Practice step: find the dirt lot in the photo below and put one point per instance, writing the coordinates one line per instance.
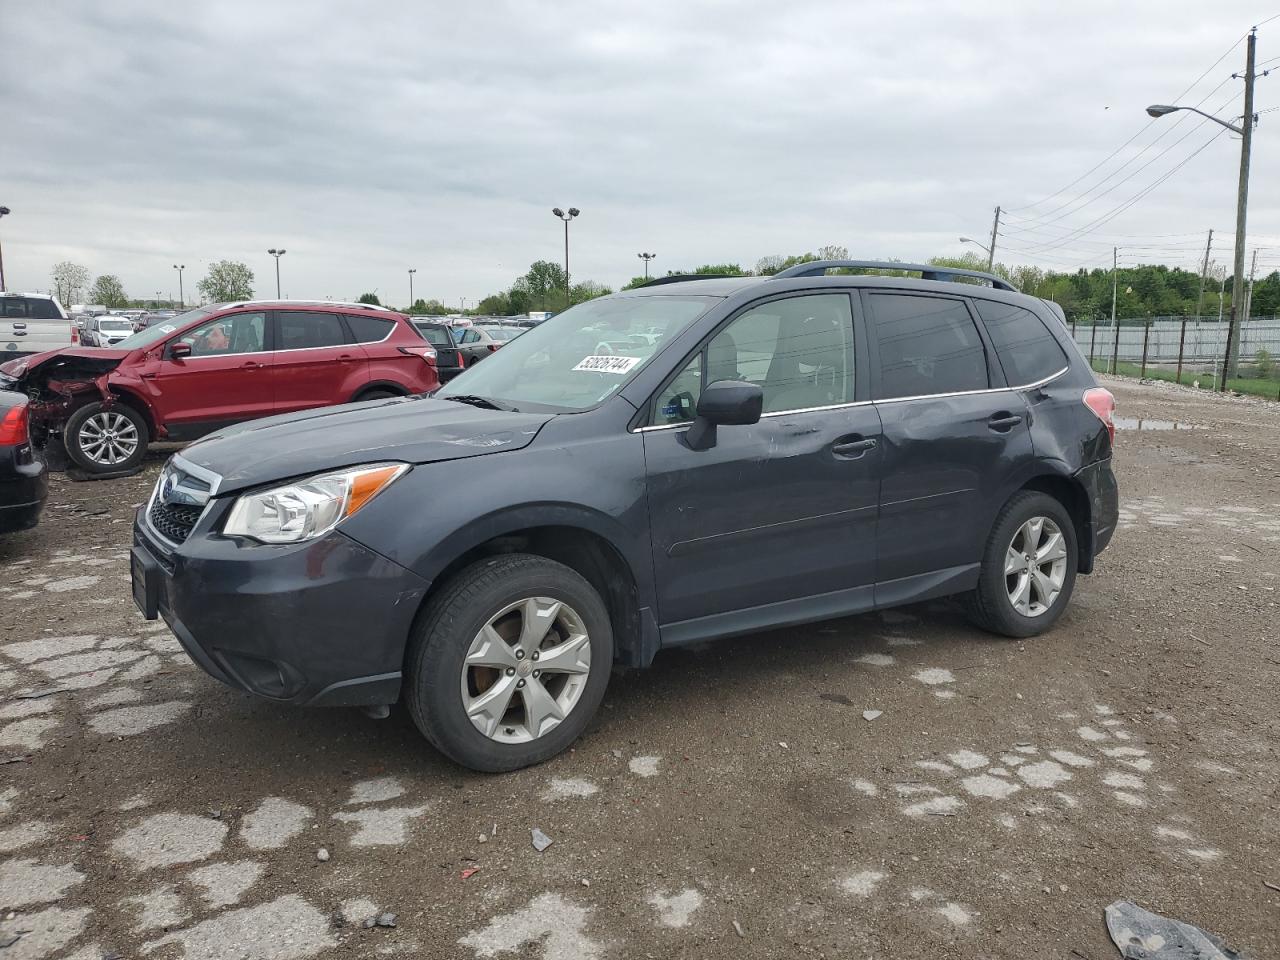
(730, 802)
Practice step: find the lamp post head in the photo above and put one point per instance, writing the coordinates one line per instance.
(4, 211)
(558, 212)
(967, 240)
(1160, 109)
(574, 211)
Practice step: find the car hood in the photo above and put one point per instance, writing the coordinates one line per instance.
(107, 359)
(409, 429)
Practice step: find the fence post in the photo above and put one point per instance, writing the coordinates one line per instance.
(1182, 339)
(1226, 358)
(1093, 339)
(1146, 335)
(1115, 348)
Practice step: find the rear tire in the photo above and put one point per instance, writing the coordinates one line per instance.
(1024, 586)
(479, 618)
(102, 439)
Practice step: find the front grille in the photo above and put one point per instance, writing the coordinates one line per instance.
(174, 521)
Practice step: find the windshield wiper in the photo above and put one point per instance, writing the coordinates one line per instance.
(482, 402)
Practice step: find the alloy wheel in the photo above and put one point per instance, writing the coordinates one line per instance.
(108, 438)
(1035, 566)
(526, 670)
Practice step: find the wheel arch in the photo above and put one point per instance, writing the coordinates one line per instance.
(581, 543)
(130, 399)
(398, 389)
(1069, 492)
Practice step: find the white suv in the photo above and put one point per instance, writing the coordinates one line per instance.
(33, 323)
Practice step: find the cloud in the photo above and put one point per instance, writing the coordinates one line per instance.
(367, 140)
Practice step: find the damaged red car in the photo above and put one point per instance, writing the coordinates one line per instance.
(214, 366)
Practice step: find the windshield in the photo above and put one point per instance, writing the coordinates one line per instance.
(579, 357)
(158, 331)
(504, 333)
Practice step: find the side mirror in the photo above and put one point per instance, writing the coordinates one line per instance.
(727, 402)
(179, 350)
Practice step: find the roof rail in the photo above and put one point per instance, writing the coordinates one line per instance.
(311, 303)
(682, 277)
(816, 268)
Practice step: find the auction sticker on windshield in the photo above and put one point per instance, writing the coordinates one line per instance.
(607, 364)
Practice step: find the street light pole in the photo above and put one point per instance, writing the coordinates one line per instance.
(981, 246)
(646, 257)
(1231, 361)
(4, 211)
(573, 212)
(277, 254)
(182, 297)
(412, 271)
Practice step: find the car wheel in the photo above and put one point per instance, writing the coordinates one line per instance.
(1028, 567)
(102, 439)
(509, 662)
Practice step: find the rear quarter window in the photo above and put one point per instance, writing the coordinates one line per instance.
(1027, 350)
(368, 329)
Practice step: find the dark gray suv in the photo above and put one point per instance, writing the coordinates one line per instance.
(692, 459)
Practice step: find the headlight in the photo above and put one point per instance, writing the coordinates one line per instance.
(309, 508)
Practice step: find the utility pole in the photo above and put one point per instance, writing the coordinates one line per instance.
(412, 271)
(1232, 362)
(1115, 330)
(3, 212)
(1204, 270)
(991, 250)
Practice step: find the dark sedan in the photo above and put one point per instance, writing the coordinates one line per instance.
(24, 481)
(441, 336)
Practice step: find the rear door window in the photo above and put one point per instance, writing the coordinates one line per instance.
(927, 345)
(306, 329)
(1027, 350)
(367, 329)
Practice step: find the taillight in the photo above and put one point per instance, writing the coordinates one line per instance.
(494, 346)
(426, 352)
(75, 334)
(13, 427)
(1103, 404)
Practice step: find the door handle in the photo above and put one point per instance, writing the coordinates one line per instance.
(250, 365)
(853, 449)
(345, 358)
(1003, 422)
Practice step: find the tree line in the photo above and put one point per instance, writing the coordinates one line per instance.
(1149, 290)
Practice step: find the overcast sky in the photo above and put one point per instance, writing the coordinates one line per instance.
(370, 138)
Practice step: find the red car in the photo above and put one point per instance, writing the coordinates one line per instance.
(213, 366)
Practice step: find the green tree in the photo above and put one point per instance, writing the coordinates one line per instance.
(371, 298)
(636, 282)
(70, 280)
(108, 291)
(544, 284)
(588, 290)
(833, 252)
(227, 280)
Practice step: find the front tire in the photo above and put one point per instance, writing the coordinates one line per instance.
(509, 662)
(105, 439)
(1028, 567)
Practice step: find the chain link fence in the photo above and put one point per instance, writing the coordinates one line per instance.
(1185, 350)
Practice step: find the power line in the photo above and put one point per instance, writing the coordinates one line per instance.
(1116, 211)
(1048, 217)
(1141, 131)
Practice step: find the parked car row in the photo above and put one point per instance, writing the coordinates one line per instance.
(212, 367)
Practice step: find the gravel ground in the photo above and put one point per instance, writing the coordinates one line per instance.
(730, 802)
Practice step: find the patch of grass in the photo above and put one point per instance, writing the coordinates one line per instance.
(1253, 386)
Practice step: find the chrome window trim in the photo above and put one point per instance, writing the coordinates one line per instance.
(867, 403)
(971, 393)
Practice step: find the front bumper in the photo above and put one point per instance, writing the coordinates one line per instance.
(322, 623)
(1098, 481)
